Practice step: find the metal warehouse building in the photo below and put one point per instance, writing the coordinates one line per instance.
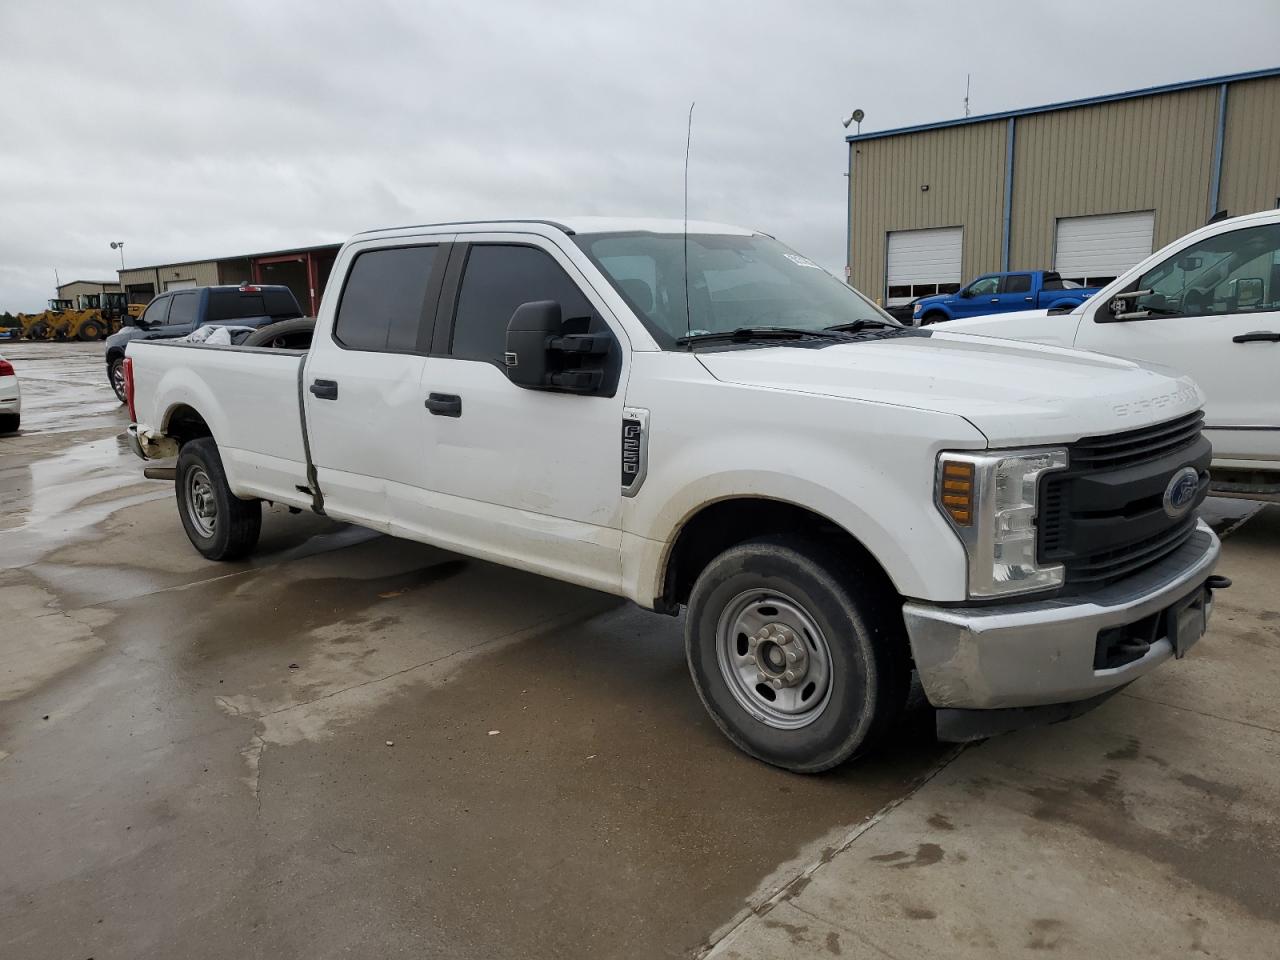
(1087, 188)
(304, 270)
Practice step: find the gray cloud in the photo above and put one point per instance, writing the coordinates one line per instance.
(191, 130)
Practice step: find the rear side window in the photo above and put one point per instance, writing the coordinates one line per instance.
(235, 305)
(498, 279)
(1017, 283)
(183, 309)
(384, 299)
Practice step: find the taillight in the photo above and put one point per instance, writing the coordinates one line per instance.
(6, 369)
(128, 388)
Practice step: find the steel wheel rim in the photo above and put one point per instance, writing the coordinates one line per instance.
(774, 659)
(202, 506)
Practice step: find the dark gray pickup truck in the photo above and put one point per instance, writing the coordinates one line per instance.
(176, 313)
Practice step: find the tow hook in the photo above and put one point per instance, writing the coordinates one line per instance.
(1218, 582)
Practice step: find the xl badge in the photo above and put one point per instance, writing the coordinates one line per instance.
(1180, 494)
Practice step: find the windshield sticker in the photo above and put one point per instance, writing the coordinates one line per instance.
(800, 261)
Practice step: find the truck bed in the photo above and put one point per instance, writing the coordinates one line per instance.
(248, 396)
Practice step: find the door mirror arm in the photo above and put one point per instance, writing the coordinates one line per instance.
(540, 356)
(1119, 308)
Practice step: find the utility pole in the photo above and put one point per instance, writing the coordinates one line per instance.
(966, 94)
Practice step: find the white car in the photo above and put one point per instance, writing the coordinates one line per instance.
(1207, 305)
(10, 398)
(713, 421)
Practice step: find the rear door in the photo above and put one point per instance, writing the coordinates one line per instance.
(1214, 313)
(529, 477)
(368, 427)
(1015, 293)
(182, 314)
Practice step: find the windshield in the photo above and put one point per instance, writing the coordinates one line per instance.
(734, 282)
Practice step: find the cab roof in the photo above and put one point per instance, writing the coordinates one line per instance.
(578, 225)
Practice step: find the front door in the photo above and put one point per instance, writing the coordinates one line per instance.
(980, 297)
(368, 427)
(1213, 312)
(530, 477)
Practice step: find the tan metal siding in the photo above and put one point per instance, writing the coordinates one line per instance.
(1152, 153)
(964, 168)
(204, 273)
(1251, 147)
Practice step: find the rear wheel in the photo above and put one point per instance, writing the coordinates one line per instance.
(218, 523)
(9, 422)
(800, 657)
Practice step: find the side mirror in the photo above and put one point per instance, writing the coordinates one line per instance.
(540, 356)
(965, 293)
(530, 328)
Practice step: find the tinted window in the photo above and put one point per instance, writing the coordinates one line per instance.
(984, 286)
(383, 302)
(183, 309)
(233, 304)
(497, 280)
(1236, 272)
(1017, 283)
(156, 312)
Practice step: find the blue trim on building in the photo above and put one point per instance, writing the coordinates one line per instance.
(1008, 193)
(1070, 104)
(1215, 180)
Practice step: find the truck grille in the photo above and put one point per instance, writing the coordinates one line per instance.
(1103, 517)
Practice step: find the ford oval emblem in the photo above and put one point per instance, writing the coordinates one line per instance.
(1180, 494)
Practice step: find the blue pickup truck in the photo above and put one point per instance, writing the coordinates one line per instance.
(1002, 293)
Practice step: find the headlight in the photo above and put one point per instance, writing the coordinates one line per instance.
(990, 500)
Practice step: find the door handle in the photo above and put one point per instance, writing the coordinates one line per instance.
(1257, 336)
(325, 389)
(445, 404)
(1028, 299)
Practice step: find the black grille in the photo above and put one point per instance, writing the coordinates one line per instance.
(1136, 446)
(1103, 517)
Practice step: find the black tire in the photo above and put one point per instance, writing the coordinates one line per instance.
(90, 331)
(115, 376)
(10, 422)
(218, 523)
(857, 617)
(934, 317)
(284, 334)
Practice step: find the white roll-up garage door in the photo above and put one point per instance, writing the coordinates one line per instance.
(920, 262)
(1096, 250)
(178, 284)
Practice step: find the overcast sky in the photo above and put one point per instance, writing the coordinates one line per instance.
(191, 130)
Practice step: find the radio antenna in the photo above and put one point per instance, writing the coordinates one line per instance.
(688, 142)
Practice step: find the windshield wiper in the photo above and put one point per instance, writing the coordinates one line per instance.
(857, 325)
(747, 334)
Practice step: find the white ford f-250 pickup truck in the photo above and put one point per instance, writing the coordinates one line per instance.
(1207, 305)
(835, 498)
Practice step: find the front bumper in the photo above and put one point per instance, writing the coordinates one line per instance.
(1042, 653)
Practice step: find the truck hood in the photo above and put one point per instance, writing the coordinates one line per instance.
(1015, 393)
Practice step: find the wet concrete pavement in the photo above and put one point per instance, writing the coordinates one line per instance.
(195, 758)
(357, 746)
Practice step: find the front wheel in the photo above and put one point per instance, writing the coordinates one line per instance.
(934, 317)
(799, 657)
(115, 373)
(90, 331)
(218, 523)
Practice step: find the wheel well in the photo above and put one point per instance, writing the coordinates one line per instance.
(185, 424)
(719, 526)
(114, 354)
(936, 314)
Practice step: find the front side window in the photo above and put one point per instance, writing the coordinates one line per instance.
(984, 286)
(157, 312)
(1236, 272)
(1017, 283)
(733, 281)
(384, 299)
(183, 309)
(500, 277)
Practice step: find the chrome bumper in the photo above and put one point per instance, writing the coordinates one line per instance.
(148, 446)
(1041, 653)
